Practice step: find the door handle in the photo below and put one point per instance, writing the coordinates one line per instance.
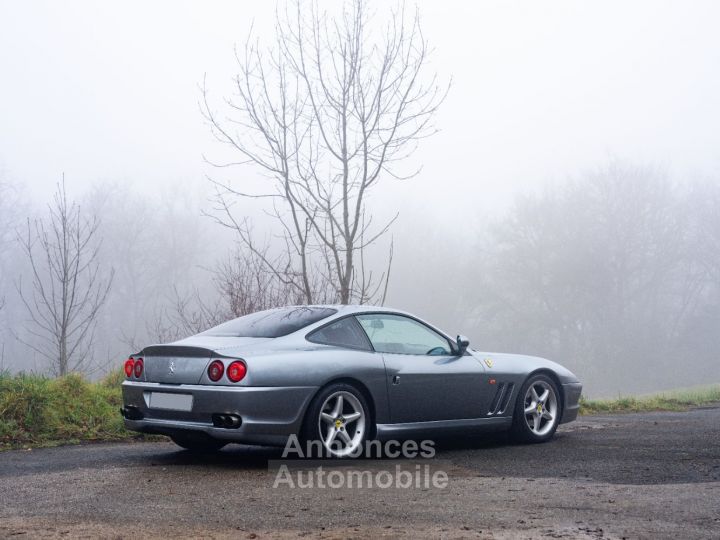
(396, 379)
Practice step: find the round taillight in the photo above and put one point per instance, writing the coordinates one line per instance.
(129, 366)
(138, 367)
(236, 371)
(215, 370)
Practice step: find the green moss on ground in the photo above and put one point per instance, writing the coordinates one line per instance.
(674, 400)
(40, 411)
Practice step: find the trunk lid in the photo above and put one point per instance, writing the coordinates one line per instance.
(175, 364)
(186, 361)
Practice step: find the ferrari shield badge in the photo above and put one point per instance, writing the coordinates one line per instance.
(488, 362)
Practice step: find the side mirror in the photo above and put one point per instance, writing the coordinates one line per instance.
(462, 344)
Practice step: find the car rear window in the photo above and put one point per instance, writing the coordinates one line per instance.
(271, 323)
(346, 332)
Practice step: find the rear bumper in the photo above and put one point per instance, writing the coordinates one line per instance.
(269, 414)
(571, 394)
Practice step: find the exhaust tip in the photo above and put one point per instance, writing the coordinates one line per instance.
(131, 412)
(227, 421)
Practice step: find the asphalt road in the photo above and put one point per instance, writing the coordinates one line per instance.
(635, 476)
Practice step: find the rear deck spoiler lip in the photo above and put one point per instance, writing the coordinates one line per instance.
(183, 351)
(178, 351)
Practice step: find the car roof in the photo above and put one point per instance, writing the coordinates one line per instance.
(357, 308)
(349, 309)
(343, 310)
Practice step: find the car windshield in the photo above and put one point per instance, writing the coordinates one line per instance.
(271, 323)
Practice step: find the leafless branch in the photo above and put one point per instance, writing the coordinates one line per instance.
(326, 112)
(66, 290)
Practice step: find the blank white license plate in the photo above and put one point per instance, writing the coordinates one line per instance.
(172, 402)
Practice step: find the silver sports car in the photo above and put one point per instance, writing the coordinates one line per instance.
(340, 375)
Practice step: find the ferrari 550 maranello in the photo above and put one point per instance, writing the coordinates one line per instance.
(339, 375)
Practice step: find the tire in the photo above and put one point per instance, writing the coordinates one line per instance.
(345, 429)
(197, 443)
(535, 419)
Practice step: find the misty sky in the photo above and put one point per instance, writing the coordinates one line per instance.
(541, 90)
(108, 92)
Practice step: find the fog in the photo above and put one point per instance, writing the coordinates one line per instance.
(568, 206)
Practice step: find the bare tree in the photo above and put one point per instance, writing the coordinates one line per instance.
(706, 202)
(243, 286)
(601, 273)
(182, 315)
(161, 249)
(10, 208)
(247, 286)
(67, 289)
(325, 114)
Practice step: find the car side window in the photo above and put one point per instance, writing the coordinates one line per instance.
(402, 335)
(345, 332)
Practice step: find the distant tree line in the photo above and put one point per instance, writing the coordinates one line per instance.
(615, 272)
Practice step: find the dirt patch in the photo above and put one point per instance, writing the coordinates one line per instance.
(654, 475)
(39, 528)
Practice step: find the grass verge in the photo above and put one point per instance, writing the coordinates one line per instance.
(39, 411)
(673, 400)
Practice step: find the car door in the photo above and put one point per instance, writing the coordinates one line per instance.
(426, 380)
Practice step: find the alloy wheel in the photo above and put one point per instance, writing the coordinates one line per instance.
(341, 423)
(540, 408)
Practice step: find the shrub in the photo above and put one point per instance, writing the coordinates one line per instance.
(36, 410)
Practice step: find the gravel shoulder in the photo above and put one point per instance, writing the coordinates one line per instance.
(654, 475)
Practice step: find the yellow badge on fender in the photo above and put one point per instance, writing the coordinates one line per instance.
(488, 362)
